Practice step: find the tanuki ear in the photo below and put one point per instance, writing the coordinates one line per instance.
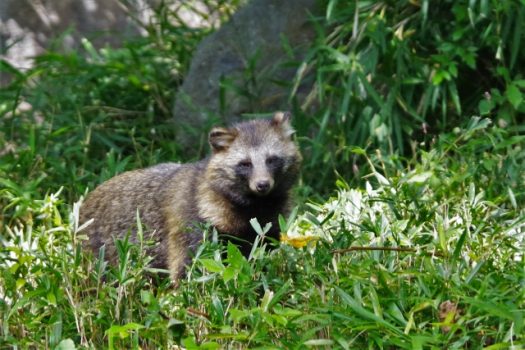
(221, 138)
(282, 120)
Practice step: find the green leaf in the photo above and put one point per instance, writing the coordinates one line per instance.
(519, 83)
(218, 309)
(474, 271)
(420, 178)
(358, 150)
(280, 293)
(514, 95)
(485, 107)
(66, 344)
(238, 315)
(512, 198)
(361, 311)
(256, 226)
(516, 44)
(212, 265)
(459, 245)
(455, 96)
(229, 273)
(499, 310)
(477, 123)
(190, 344)
(235, 257)
(282, 223)
(319, 342)
(51, 298)
(330, 9)
(397, 314)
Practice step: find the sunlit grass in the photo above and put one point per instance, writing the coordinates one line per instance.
(412, 235)
(421, 256)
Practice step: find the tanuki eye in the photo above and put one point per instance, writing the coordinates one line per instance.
(245, 164)
(273, 160)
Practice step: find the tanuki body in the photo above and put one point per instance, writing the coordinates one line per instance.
(249, 174)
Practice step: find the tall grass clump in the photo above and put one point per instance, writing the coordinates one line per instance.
(392, 74)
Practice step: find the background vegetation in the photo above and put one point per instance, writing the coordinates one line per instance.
(413, 235)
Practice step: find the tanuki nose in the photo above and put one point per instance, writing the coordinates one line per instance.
(262, 186)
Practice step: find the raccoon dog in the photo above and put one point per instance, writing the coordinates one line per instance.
(249, 174)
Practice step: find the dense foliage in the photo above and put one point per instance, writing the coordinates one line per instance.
(421, 257)
(417, 123)
(389, 74)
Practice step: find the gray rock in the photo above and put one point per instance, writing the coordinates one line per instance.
(244, 66)
(28, 27)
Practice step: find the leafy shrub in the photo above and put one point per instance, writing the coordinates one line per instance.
(391, 74)
(79, 107)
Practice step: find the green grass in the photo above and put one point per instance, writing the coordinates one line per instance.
(406, 205)
(450, 239)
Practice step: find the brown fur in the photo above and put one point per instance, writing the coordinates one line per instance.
(249, 175)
